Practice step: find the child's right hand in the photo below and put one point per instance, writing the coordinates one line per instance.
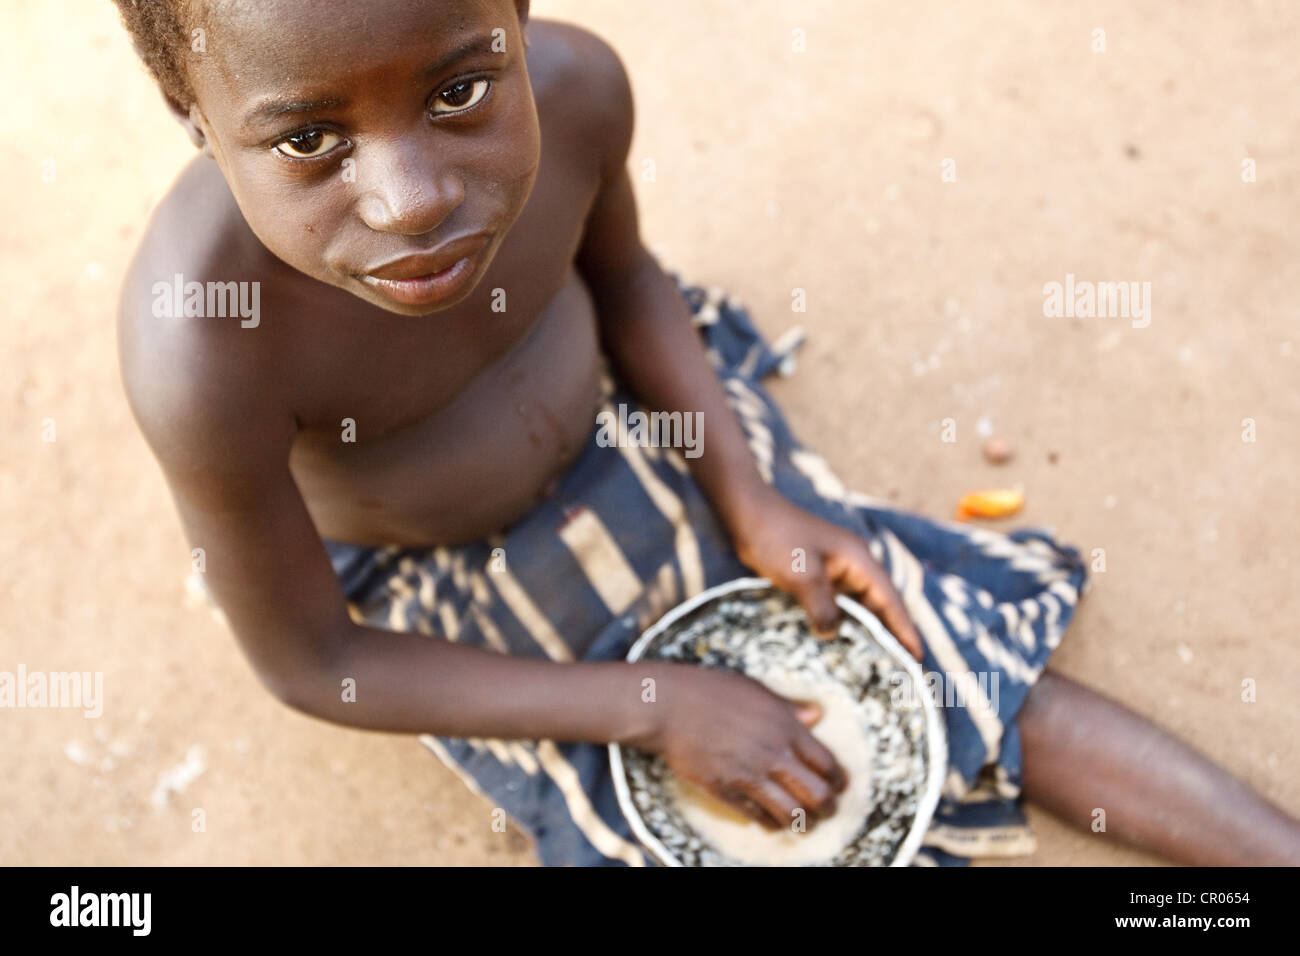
(744, 745)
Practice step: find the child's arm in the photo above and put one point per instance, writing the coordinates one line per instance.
(647, 331)
(205, 398)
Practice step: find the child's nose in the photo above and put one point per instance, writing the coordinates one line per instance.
(403, 191)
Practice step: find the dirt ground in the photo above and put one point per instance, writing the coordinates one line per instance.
(776, 169)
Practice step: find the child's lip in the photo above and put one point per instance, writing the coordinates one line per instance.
(424, 289)
(423, 264)
(428, 277)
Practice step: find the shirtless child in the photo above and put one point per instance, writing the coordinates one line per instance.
(390, 173)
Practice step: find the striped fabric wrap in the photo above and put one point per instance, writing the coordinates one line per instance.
(627, 534)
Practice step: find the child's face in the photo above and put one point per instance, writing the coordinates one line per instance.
(396, 137)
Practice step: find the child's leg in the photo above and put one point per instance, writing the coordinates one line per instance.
(1083, 751)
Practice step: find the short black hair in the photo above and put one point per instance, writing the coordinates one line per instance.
(160, 31)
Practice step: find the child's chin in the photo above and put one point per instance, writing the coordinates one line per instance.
(412, 310)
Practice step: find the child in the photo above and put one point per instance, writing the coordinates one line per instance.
(389, 452)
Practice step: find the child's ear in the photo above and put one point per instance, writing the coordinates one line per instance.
(191, 120)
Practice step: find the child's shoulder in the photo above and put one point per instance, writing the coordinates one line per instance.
(579, 81)
(191, 363)
(570, 53)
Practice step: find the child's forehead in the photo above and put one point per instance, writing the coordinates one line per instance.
(279, 43)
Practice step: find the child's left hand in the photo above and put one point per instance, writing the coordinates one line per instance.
(770, 543)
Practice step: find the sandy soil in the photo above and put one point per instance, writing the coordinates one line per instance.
(819, 170)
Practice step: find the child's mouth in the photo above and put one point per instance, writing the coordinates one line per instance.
(424, 290)
(430, 278)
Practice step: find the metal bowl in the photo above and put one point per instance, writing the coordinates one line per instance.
(862, 651)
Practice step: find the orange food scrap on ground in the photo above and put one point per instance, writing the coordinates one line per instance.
(997, 503)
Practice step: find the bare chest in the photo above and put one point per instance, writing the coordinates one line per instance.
(439, 442)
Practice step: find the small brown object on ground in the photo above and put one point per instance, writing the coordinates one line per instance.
(999, 451)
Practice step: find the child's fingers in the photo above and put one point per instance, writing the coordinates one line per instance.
(854, 570)
(815, 592)
(777, 803)
(818, 756)
(748, 806)
(814, 793)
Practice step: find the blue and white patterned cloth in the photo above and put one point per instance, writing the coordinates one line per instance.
(627, 535)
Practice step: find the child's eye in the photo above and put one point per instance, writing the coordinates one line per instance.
(308, 144)
(460, 96)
